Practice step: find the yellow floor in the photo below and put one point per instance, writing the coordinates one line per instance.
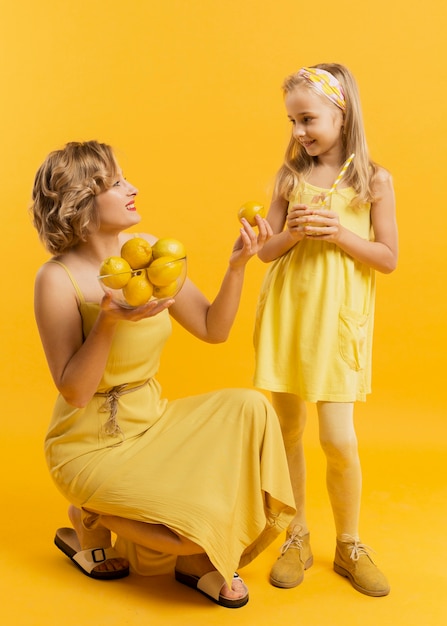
(404, 518)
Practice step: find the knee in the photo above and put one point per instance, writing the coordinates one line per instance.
(258, 409)
(254, 402)
(342, 451)
(292, 432)
(255, 408)
(291, 411)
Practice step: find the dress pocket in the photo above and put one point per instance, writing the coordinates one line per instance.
(352, 332)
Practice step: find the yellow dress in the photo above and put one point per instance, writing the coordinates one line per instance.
(210, 467)
(315, 315)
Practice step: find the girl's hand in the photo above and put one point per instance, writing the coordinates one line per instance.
(249, 243)
(297, 218)
(118, 313)
(323, 224)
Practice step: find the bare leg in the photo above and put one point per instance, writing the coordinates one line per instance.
(291, 412)
(99, 537)
(191, 557)
(344, 475)
(153, 536)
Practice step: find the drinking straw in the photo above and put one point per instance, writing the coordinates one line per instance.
(339, 177)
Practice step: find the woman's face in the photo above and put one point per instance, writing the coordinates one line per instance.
(115, 207)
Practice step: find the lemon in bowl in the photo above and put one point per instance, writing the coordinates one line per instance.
(137, 252)
(163, 278)
(115, 272)
(167, 275)
(167, 246)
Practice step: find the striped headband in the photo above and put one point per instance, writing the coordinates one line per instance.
(326, 84)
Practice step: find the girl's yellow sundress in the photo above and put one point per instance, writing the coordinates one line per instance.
(315, 314)
(210, 467)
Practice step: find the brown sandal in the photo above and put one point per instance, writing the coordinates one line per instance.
(210, 585)
(67, 541)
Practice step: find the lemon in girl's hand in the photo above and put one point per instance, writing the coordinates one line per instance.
(116, 272)
(165, 270)
(249, 210)
(168, 247)
(138, 290)
(137, 252)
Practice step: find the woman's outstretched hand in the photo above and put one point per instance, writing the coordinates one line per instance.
(249, 243)
(119, 313)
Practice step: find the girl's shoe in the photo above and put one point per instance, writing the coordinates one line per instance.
(353, 561)
(296, 556)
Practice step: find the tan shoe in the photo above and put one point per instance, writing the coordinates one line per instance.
(353, 561)
(296, 556)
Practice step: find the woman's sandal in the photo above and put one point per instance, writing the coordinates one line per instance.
(210, 585)
(67, 541)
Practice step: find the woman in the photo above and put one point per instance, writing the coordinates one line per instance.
(204, 478)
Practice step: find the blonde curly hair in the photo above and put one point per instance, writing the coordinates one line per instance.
(65, 187)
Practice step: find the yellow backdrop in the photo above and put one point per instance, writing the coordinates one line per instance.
(189, 94)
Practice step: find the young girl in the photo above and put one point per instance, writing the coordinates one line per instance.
(314, 322)
(203, 478)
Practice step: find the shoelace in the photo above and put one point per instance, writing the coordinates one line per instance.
(357, 549)
(294, 540)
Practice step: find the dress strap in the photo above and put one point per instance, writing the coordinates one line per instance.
(71, 277)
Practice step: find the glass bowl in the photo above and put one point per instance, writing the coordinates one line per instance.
(161, 280)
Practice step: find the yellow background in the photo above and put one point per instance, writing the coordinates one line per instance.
(188, 92)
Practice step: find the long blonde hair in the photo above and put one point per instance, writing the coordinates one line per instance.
(65, 187)
(297, 163)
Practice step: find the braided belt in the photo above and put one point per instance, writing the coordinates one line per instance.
(110, 405)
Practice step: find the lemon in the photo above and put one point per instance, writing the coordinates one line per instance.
(164, 270)
(116, 272)
(249, 210)
(138, 290)
(137, 252)
(168, 247)
(167, 291)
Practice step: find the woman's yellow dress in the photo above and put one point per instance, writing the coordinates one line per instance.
(315, 314)
(210, 467)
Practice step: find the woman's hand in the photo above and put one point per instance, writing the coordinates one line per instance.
(212, 322)
(115, 313)
(248, 244)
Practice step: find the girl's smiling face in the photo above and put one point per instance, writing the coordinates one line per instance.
(317, 123)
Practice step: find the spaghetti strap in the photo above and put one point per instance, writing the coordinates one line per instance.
(71, 277)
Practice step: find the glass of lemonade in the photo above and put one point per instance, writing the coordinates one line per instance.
(314, 201)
